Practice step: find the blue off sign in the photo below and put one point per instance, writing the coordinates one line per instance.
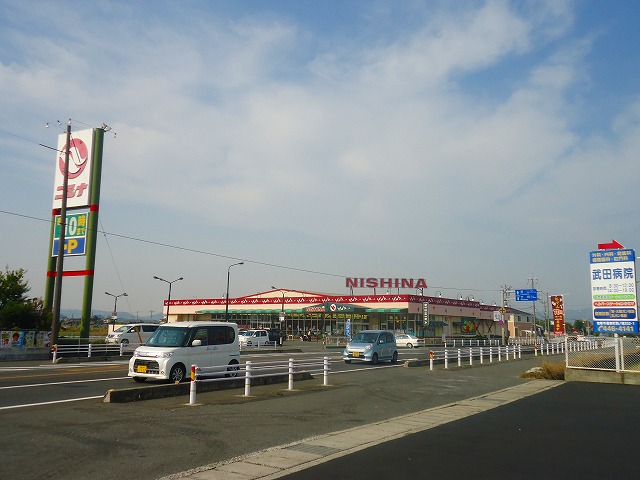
(530, 295)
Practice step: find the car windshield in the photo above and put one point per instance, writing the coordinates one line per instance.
(365, 337)
(168, 337)
(122, 329)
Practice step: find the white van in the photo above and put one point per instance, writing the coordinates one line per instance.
(131, 335)
(174, 347)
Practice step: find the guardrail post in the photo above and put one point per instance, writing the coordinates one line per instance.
(535, 350)
(192, 386)
(617, 351)
(459, 358)
(326, 371)
(470, 355)
(247, 378)
(89, 351)
(430, 359)
(490, 354)
(481, 355)
(499, 353)
(121, 349)
(519, 351)
(291, 374)
(55, 353)
(446, 359)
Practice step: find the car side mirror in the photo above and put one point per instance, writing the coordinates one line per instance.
(196, 343)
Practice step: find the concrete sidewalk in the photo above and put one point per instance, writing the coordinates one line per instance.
(300, 456)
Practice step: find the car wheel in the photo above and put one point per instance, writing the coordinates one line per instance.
(374, 359)
(177, 373)
(140, 379)
(232, 369)
(410, 345)
(125, 342)
(394, 359)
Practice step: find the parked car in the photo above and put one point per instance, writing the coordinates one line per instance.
(371, 346)
(132, 335)
(255, 338)
(174, 347)
(408, 340)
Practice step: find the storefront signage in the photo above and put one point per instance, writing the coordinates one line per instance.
(353, 282)
(80, 163)
(330, 308)
(613, 291)
(557, 305)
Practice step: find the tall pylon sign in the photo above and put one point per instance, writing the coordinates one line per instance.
(74, 218)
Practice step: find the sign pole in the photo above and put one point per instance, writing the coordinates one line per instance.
(92, 232)
(57, 296)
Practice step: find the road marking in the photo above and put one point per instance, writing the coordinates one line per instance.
(50, 403)
(10, 387)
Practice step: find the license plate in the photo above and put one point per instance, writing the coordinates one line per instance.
(142, 369)
(356, 354)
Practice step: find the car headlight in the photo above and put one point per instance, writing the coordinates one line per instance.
(164, 354)
(368, 347)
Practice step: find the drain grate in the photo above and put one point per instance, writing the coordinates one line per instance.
(314, 449)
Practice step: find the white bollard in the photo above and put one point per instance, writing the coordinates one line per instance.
(459, 358)
(291, 374)
(490, 354)
(470, 356)
(247, 379)
(89, 351)
(192, 386)
(499, 353)
(519, 351)
(506, 352)
(481, 359)
(446, 359)
(326, 371)
(55, 353)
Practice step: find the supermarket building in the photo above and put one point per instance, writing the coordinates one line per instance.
(296, 312)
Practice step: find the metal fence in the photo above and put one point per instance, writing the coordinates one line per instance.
(93, 349)
(251, 370)
(617, 354)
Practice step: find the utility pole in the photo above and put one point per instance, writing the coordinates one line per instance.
(533, 281)
(57, 297)
(506, 289)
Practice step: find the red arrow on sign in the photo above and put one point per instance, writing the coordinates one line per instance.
(609, 246)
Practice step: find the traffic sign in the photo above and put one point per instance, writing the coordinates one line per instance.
(530, 295)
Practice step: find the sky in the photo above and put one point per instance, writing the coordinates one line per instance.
(473, 144)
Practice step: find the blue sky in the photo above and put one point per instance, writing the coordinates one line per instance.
(473, 144)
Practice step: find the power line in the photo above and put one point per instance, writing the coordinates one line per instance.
(191, 250)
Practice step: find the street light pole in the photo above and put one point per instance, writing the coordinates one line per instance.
(226, 306)
(115, 304)
(282, 311)
(169, 298)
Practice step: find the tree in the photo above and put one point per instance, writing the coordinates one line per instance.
(16, 309)
(13, 286)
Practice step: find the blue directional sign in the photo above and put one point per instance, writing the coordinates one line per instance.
(530, 295)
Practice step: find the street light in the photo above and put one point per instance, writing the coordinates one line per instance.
(115, 304)
(226, 307)
(282, 311)
(170, 283)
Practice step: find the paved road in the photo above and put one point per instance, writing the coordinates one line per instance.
(151, 439)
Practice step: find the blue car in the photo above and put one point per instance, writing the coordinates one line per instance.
(371, 346)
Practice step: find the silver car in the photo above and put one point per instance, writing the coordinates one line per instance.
(371, 346)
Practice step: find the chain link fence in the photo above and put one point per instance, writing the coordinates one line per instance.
(618, 354)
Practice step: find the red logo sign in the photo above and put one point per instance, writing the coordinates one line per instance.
(78, 156)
